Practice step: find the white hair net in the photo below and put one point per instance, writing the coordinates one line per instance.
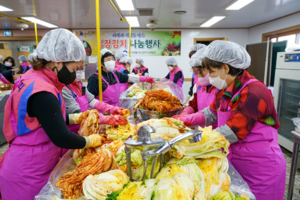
(103, 51)
(22, 58)
(61, 45)
(197, 58)
(197, 47)
(121, 55)
(171, 61)
(1, 58)
(141, 61)
(228, 53)
(32, 56)
(126, 60)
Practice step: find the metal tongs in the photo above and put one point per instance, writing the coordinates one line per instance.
(156, 147)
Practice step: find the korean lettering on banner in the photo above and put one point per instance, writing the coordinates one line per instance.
(113, 44)
(149, 44)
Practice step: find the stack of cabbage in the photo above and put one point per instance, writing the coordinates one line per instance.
(195, 171)
(136, 92)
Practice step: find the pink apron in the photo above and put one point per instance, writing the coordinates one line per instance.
(173, 73)
(31, 157)
(112, 93)
(204, 99)
(123, 86)
(195, 77)
(258, 158)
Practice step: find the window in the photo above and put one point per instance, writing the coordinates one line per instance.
(292, 37)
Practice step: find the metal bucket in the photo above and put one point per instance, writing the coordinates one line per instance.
(147, 114)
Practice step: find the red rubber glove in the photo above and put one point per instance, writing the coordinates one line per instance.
(112, 120)
(192, 119)
(147, 79)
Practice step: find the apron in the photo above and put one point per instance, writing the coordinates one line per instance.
(204, 99)
(258, 158)
(112, 93)
(123, 86)
(172, 76)
(28, 162)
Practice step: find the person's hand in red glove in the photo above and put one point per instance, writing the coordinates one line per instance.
(112, 120)
(192, 119)
(147, 79)
(121, 111)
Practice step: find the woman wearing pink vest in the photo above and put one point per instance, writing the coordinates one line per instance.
(246, 115)
(204, 93)
(111, 80)
(34, 122)
(140, 69)
(193, 50)
(175, 74)
(25, 66)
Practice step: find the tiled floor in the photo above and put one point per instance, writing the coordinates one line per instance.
(288, 158)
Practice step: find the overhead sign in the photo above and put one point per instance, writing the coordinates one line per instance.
(143, 43)
(25, 48)
(7, 33)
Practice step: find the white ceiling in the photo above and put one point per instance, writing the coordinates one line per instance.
(75, 14)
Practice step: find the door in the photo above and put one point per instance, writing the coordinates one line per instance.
(277, 47)
(260, 61)
(287, 99)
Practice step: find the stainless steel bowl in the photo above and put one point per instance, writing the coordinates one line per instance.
(146, 114)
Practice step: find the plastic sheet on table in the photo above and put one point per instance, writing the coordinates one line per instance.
(238, 185)
(50, 191)
(174, 88)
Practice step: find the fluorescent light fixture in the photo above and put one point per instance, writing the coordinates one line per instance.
(4, 9)
(125, 4)
(238, 4)
(212, 21)
(39, 21)
(134, 22)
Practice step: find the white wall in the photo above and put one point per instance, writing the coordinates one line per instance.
(255, 33)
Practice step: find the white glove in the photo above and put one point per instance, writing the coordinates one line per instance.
(187, 99)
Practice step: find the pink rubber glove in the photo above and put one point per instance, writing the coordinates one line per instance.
(147, 79)
(192, 119)
(112, 120)
(188, 110)
(104, 107)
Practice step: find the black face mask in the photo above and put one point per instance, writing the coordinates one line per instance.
(65, 76)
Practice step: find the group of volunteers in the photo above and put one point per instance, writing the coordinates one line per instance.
(40, 120)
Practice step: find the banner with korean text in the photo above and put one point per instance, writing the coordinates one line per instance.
(143, 43)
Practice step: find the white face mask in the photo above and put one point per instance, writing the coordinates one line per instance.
(21, 62)
(170, 68)
(204, 80)
(110, 65)
(78, 76)
(7, 64)
(218, 82)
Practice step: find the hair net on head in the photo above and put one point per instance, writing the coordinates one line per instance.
(197, 47)
(32, 56)
(61, 45)
(121, 55)
(126, 60)
(171, 61)
(141, 61)
(103, 51)
(197, 58)
(22, 58)
(228, 53)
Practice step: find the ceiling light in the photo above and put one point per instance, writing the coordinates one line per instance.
(134, 22)
(39, 21)
(212, 21)
(238, 4)
(125, 4)
(5, 9)
(180, 12)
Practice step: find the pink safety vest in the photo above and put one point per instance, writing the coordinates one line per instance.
(112, 93)
(141, 70)
(173, 73)
(123, 86)
(26, 65)
(31, 157)
(258, 158)
(195, 77)
(204, 99)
